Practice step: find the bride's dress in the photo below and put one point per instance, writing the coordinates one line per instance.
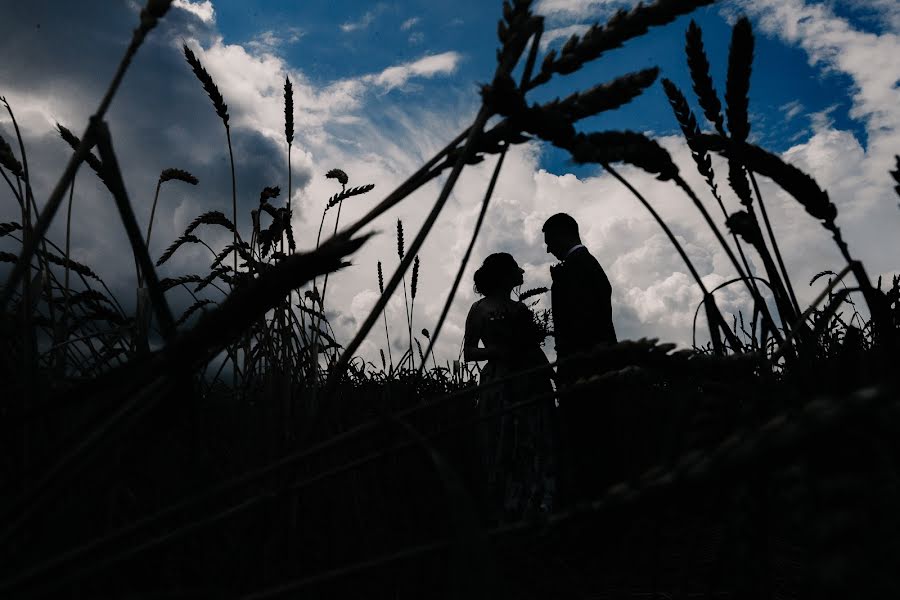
(518, 444)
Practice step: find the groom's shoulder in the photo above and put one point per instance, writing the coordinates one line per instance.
(582, 257)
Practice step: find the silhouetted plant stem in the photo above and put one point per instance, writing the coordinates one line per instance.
(465, 260)
(149, 19)
(762, 209)
(753, 290)
(64, 334)
(160, 305)
(718, 320)
(474, 131)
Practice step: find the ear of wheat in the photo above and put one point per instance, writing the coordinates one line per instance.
(93, 162)
(607, 96)
(624, 146)
(177, 174)
(170, 282)
(621, 27)
(288, 111)
(347, 193)
(339, 175)
(740, 61)
(691, 130)
(400, 249)
(213, 217)
(532, 292)
(8, 160)
(7, 228)
(269, 193)
(698, 65)
(194, 308)
(184, 239)
(414, 284)
(209, 85)
(896, 175)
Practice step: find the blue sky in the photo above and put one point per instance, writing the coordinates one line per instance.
(336, 40)
(379, 87)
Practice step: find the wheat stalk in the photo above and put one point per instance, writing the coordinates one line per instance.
(221, 109)
(167, 175)
(192, 309)
(387, 335)
(702, 159)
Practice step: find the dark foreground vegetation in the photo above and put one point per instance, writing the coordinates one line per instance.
(240, 451)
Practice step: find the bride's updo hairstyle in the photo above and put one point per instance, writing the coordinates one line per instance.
(495, 274)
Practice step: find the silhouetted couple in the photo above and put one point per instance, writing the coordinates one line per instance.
(531, 446)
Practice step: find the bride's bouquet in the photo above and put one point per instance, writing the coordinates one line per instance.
(538, 327)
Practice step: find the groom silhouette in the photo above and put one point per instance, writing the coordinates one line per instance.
(581, 299)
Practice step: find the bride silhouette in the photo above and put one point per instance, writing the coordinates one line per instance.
(516, 445)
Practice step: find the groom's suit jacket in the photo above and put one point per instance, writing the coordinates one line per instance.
(582, 306)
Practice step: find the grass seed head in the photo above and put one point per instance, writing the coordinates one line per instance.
(288, 111)
(621, 27)
(740, 62)
(347, 193)
(268, 193)
(702, 82)
(8, 160)
(737, 177)
(93, 162)
(400, 248)
(896, 175)
(208, 85)
(7, 228)
(339, 175)
(415, 277)
(380, 279)
(744, 225)
(178, 174)
(608, 96)
(624, 146)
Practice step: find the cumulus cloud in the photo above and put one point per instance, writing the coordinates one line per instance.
(203, 10)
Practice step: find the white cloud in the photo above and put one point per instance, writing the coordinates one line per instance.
(428, 66)
(791, 109)
(203, 10)
(561, 33)
(576, 9)
(363, 23)
(273, 42)
(410, 23)
(416, 37)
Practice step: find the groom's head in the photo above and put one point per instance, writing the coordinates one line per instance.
(560, 234)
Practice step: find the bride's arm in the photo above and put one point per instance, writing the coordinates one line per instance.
(471, 351)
